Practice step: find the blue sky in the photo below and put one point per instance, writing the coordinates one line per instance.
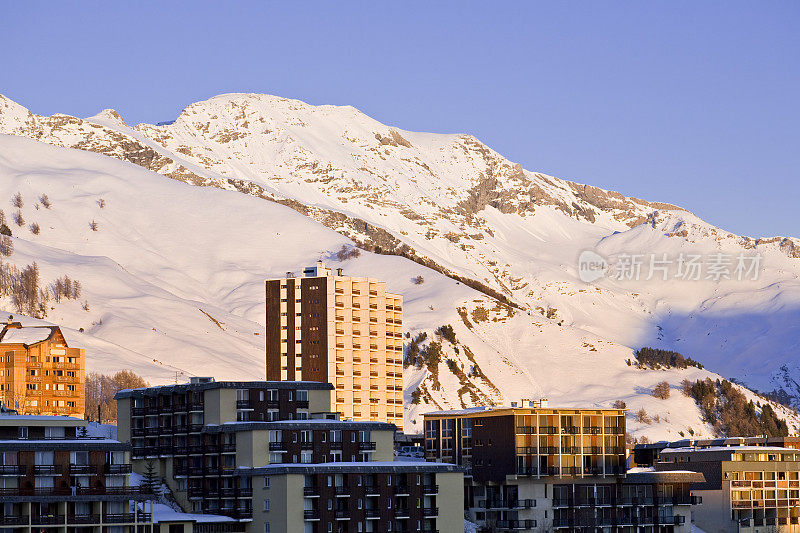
(693, 103)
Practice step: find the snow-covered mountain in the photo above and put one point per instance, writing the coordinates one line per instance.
(173, 256)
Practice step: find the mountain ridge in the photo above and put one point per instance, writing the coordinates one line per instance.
(450, 202)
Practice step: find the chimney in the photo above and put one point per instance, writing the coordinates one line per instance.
(289, 274)
(338, 271)
(544, 402)
(513, 404)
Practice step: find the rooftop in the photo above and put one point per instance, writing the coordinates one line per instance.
(26, 335)
(184, 387)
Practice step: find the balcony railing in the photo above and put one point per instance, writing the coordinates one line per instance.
(430, 512)
(48, 520)
(12, 470)
(13, 520)
(311, 514)
(516, 524)
(47, 470)
(365, 446)
(311, 491)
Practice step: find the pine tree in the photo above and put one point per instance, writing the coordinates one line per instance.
(150, 478)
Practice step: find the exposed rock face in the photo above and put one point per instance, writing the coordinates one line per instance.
(361, 172)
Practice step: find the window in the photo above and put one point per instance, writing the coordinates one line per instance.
(302, 396)
(266, 482)
(23, 432)
(266, 505)
(266, 527)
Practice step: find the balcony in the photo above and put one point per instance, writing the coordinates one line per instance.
(195, 428)
(509, 504)
(48, 520)
(401, 490)
(342, 514)
(366, 446)
(123, 518)
(12, 470)
(371, 490)
(515, 524)
(47, 470)
(243, 404)
(311, 492)
(342, 491)
(430, 512)
(310, 514)
(430, 489)
(82, 469)
(13, 520)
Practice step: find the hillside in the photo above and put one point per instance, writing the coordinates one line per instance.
(443, 200)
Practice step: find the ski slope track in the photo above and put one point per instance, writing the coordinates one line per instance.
(259, 185)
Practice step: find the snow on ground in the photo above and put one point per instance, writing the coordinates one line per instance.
(173, 285)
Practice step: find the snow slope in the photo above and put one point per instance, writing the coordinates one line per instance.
(452, 203)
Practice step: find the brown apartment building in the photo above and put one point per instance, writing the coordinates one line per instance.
(532, 467)
(39, 373)
(327, 327)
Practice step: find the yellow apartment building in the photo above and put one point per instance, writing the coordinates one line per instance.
(39, 373)
(328, 327)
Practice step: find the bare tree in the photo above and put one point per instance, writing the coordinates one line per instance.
(619, 404)
(35, 229)
(100, 390)
(418, 280)
(16, 200)
(661, 390)
(45, 201)
(6, 245)
(19, 220)
(76, 289)
(101, 202)
(2, 218)
(641, 416)
(93, 225)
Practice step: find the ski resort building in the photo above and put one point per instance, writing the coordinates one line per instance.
(39, 373)
(746, 488)
(272, 456)
(532, 467)
(55, 478)
(327, 327)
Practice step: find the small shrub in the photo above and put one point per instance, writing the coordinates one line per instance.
(101, 203)
(94, 226)
(619, 404)
(641, 416)
(45, 201)
(447, 332)
(16, 201)
(418, 280)
(6, 245)
(19, 220)
(661, 390)
(35, 229)
(480, 314)
(415, 396)
(347, 253)
(85, 305)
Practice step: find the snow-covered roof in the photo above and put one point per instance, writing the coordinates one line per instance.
(164, 513)
(26, 335)
(732, 449)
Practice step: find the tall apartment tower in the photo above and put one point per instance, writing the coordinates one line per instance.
(342, 330)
